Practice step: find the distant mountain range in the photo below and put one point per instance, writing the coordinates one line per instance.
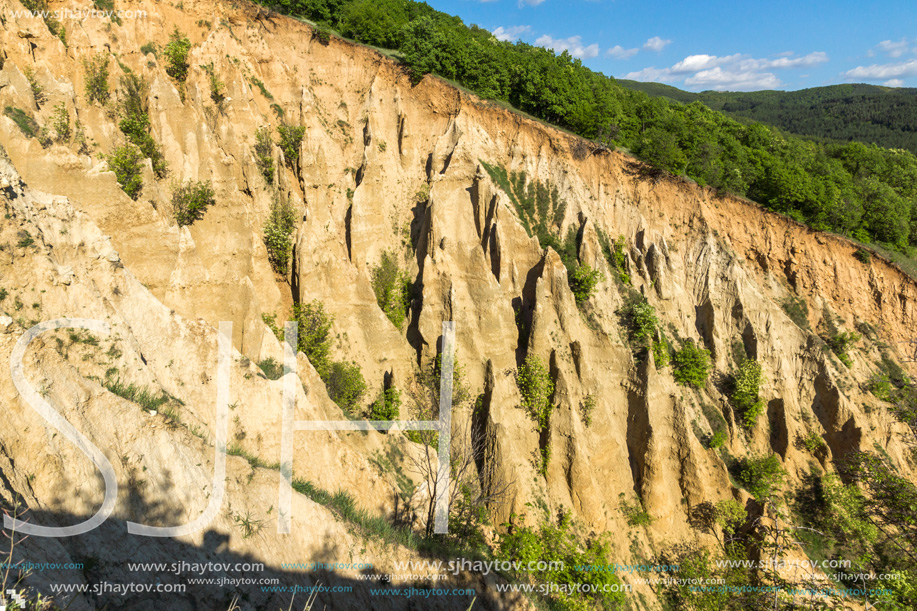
(886, 116)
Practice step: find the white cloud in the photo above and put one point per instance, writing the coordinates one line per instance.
(895, 82)
(729, 72)
(656, 44)
(512, 32)
(893, 48)
(619, 52)
(574, 45)
(717, 78)
(879, 72)
(523, 3)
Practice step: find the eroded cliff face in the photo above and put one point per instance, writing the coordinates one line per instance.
(387, 166)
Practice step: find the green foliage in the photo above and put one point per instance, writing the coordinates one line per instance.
(691, 365)
(290, 140)
(392, 288)
(38, 92)
(761, 476)
(814, 444)
(616, 255)
(271, 368)
(217, 87)
(846, 187)
(558, 548)
(278, 234)
(717, 440)
(26, 124)
(840, 345)
(745, 393)
(145, 397)
(729, 515)
(176, 54)
(150, 47)
(190, 201)
(264, 154)
(536, 387)
(862, 255)
(387, 406)
(345, 385)
(634, 512)
(797, 310)
(135, 121)
(60, 123)
(270, 320)
(661, 355)
(125, 162)
(314, 336)
(641, 322)
(96, 78)
(583, 281)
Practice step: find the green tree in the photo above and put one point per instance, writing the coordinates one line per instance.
(691, 365)
(176, 53)
(314, 335)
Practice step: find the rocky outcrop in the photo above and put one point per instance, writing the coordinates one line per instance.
(387, 166)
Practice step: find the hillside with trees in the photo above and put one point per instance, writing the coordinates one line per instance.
(886, 116)
(857, 190)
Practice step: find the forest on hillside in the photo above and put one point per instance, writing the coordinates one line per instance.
(862, 191)
(886, 116)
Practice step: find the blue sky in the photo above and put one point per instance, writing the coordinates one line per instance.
(717, 44)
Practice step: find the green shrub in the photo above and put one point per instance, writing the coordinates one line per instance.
(217, 87)
(619, 259)
(314, 335)
(634, 512)
(141, 395)
(387, 406)
(691, 365)
(717, 440)
(880, 385)
(270, 320)
(135, 121)
(392, 288)
(345, 385)
(26, 124)
(745, 394)
(150, 47)
(96, 76)
(862, 255)
(536, 387)
(814, 444)
(729, 514)
(841, 343)
(661, 354)
(641, 322)
(38, 92)
(797, 310)
(190, 201)
(760, 476)
(290, 140)
(567, 558)
(264, 154)
(278, 233)
(271, 368)
(125, 162)
(60, 123)
(176, 54)
(583, 281)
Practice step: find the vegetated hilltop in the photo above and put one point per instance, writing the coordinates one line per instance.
(637, 355)
(872, 114)
(859, 191)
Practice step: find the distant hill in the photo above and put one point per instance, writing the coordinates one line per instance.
(886, 116)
